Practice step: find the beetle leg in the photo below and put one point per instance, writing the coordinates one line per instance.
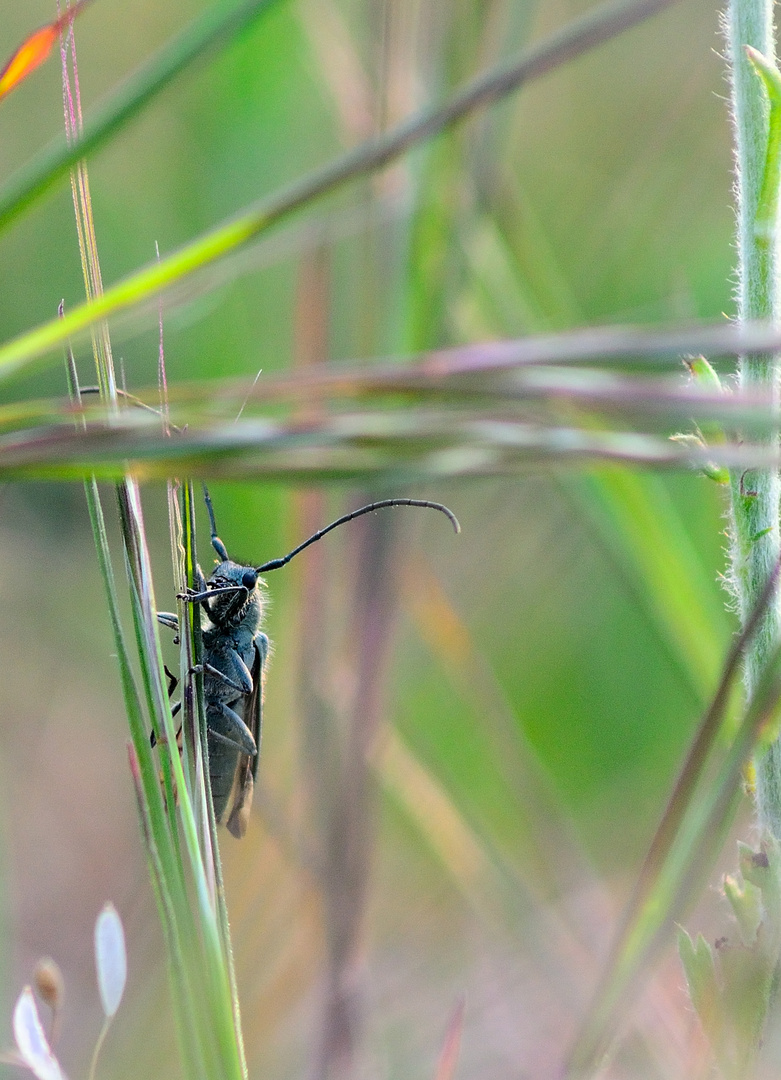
(237, 734)
(202, 596)
(169, 620)
(210, 669)
(173, 683)
(230, 669)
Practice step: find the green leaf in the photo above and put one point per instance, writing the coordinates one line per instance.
(699, 967)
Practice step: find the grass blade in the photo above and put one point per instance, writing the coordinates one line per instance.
(580, 36)
(686, 842)
(212, 30)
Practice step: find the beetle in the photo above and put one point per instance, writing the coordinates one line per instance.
(235, 656)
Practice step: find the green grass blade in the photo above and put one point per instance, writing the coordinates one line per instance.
(212, 30)
(637, 521)
(164, 868)
(686, 843)
(210, 824)
(201, 985)
(207, 982)
(580, 36)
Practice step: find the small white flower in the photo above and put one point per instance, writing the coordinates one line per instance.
(110, 958)
(31, 1042)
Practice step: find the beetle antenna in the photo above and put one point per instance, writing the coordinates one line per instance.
(217, 544)
(275, 564)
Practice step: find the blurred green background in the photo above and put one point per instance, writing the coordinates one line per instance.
(547, 667)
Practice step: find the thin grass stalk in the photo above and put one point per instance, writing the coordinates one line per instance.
(490, 374)
(206, 985)
(182, 560)
(688, 840)
(755, 494)
(197, 1026)
(175, 952)
(216, 1030)
(211, 978)
(350, 823)
(321, 750)
(356, 446)
(208, 871)
(207, 1024)
(193, 654)
(190, 657)
(165, 864)
(177, 560)
(143, 770)
(578, 37)
(653, 403)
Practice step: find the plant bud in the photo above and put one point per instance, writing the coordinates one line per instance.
(49, 983)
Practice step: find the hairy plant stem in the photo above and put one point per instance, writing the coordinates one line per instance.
(755, 494)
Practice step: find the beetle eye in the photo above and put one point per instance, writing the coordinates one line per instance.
(249, 580)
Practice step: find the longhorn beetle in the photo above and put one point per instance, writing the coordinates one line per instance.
(235, 652)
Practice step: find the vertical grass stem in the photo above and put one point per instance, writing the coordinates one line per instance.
(756, 493)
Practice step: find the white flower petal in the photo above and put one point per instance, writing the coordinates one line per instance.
(31, 1041)
(110, 958)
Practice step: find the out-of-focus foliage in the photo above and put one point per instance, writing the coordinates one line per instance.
(536, 679)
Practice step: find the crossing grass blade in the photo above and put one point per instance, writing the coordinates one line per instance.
(578, 37)
(213, 30)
